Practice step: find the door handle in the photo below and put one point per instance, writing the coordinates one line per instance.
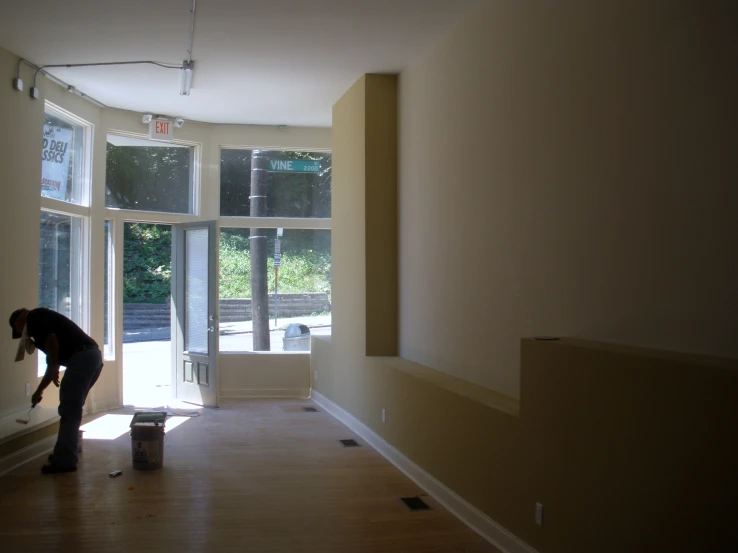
(211, 328)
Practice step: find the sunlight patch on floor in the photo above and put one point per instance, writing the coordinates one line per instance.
(111, 427)
(174, 422)
(107, 427)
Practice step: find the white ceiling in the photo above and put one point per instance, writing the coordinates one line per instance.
(261, 62)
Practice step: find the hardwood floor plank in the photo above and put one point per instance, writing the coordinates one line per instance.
(256, 475)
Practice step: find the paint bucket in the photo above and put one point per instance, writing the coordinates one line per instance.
(147, 446)
(80, 437)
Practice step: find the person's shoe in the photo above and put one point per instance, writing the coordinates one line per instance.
(51, 468)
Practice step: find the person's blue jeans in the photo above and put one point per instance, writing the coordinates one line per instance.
(83, 370)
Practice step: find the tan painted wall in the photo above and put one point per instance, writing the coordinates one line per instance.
(264, 375)
(627, 449)
(569, 168)
(381, 221)
(562, 150)
(20, 177)
(348, 262)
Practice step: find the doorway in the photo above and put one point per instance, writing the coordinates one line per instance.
(147, 345)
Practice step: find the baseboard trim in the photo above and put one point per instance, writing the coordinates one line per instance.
(22, 456)
(99, 406)
(261, 393)
(458, 506)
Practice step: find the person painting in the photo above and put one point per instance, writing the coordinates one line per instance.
(65, 344)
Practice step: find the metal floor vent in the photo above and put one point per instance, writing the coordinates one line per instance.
(310, 409)
(415, 503)
(349, 443)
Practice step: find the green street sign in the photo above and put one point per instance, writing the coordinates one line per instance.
(294, 166)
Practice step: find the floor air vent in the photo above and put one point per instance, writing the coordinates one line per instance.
(310, 409)
(349, 443)
(415, 503)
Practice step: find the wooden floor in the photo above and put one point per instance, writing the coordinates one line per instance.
(253, 476)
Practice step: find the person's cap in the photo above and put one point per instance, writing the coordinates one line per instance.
(13, 317)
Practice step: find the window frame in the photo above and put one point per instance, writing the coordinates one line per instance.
(195, 180)
(86, 164)
(272, 220)
(108, 349)
(82, 212)
(286, 223)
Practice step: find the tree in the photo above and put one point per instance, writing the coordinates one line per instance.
(148, 178)
(147, 263)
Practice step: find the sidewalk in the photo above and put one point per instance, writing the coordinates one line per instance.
(243, 327)
(158, 334)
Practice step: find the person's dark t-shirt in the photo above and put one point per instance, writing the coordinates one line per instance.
(42, 323)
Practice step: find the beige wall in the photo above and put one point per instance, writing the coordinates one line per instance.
(20, 174)
(348, 248)
(257, 375)
(563, 169)
(569, 168)
(627, 449)
(380, 195)
(364, 316)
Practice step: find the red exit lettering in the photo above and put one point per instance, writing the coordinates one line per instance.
(162, 127)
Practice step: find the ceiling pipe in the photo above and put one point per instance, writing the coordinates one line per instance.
(192, 30)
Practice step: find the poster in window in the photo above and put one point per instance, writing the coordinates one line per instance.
(55, 161)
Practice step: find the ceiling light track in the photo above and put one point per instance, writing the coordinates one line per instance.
(34, 89)
(185, 68)
(188, 64)
(192, 30)
(18, 82)
(35, 94)
(18, 85)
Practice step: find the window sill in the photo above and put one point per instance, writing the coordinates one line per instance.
(264, 353)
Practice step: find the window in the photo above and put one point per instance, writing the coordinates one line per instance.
(148, 175)
(63, 164)
(109, 296)
(301, 278)
(60, 274)
(275, 283)
(294, 184)
(60, 280)
(64, 229)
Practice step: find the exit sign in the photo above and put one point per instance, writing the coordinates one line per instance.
(293, 166)
(161, 129)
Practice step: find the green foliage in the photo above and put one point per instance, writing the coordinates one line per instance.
(148, 178)
(147, 268)
(305, 264)
(158, 179)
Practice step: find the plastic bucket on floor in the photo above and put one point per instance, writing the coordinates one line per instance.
(147, 446)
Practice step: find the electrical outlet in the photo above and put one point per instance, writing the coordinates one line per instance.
(28, 388)
(384, 415)
(539, 514)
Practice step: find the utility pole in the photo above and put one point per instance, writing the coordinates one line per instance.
(258, 246)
